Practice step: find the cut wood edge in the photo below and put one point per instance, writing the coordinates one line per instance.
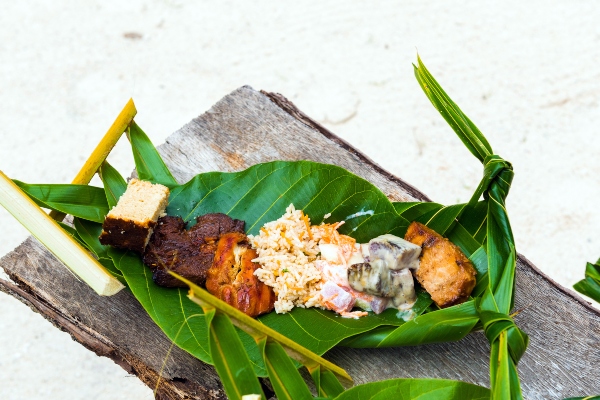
(565, 290)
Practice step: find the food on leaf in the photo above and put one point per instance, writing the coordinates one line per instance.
(316, 266)
(231, 277)
(189, 253)
(129, 225)
(396, 252)
(445, 272)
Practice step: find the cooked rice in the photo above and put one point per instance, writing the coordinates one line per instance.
(287, 249)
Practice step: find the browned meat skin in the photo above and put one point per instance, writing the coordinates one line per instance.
(231, 277)
(444, 271)
(188, 253)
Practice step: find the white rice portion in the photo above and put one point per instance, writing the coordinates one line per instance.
(286, 253)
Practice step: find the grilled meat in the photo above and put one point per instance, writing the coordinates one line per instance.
(231, 277)
(187, 253)
(445, 272)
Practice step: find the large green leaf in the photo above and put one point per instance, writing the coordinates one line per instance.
(422, 389)
(83, 201)
(262, 192)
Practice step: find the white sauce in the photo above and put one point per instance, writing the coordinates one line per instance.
(361, 213)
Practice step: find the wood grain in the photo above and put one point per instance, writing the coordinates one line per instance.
(248, 127)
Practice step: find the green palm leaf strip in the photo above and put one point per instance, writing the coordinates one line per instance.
(283, 374)
(114, 184)
(148, 163)
(83, 201)
(590, 285)
(261, 332)
(229, 357)
(508, 342)
(422, 389)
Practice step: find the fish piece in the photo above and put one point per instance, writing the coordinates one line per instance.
(396, 252)
(338, 274)
(335, 298)
(231, 277)
(444, 271)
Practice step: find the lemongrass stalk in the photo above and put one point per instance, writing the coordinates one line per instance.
(95, 160)
(51, 235)
(260, 331)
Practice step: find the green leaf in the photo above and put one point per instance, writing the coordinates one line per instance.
(590, 285)
(446, 325)
(83, 201)
(148, 163)
(285, 378)
(258, 331)
(507, 341)
(422, 389)
(230, 359)
(73, 233)
(114, 184)
(262, 192)
(462, 125)
(89, 233)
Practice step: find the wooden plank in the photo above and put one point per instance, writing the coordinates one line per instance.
(248, 127)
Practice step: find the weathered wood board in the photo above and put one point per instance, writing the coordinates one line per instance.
(248, 127)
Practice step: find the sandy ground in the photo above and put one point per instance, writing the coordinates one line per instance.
(526, 72)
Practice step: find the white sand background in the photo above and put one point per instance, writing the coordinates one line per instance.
(527, 73)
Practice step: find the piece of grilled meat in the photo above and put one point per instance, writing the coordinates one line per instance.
(189, 253)
(445, 272)
(231, 277)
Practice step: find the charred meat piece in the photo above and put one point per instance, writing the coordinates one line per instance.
(210, 227)
(445, 272)
(231, 277)
(187, 253)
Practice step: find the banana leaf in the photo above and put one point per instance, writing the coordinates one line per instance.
(590, 285)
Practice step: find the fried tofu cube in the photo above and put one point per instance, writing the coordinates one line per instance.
(444, 271)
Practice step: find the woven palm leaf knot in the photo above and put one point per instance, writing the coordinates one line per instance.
(494, 323)
(497, 178)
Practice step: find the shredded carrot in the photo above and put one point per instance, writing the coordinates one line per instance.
(307, 223)
(286, 238)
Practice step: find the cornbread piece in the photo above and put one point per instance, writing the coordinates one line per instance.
(187, 253)
(445, 272)
(130, 223)
(231, 277)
